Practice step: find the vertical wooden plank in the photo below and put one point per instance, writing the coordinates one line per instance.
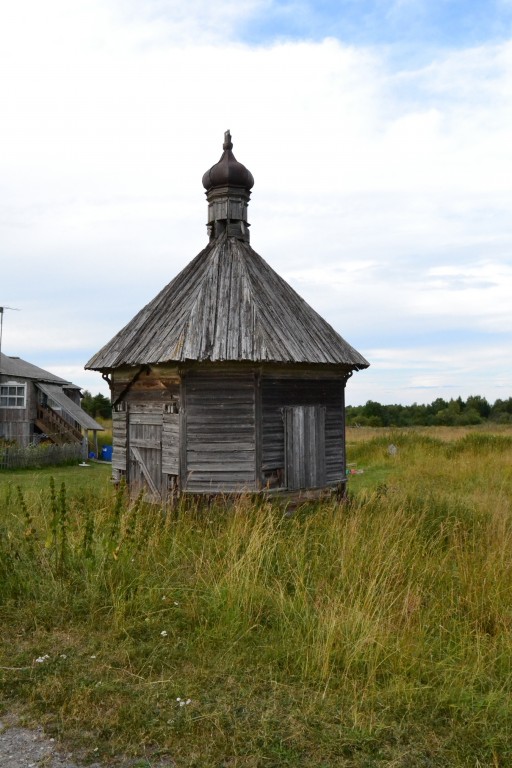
(300, 440)
(288, 447)
(321, 470)
(183, 432)
(119, 440)
(257, 431)
(310, 458)
(171, 443)
(343, 433)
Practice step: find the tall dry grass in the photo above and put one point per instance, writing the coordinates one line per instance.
(372, 632)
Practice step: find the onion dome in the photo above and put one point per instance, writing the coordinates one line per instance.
(228, 190)
(228, 172)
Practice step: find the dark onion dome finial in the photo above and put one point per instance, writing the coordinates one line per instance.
(228, 172)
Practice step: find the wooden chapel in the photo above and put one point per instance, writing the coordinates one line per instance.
(228, 381)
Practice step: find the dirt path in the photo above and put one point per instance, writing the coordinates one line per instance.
(25, 748)
(31, 748)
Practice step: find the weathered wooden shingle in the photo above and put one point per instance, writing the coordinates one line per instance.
(228, 304)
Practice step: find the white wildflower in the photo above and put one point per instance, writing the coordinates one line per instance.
(42, 659)
(163, 633)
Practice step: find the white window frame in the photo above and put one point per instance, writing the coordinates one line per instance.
(5, 395)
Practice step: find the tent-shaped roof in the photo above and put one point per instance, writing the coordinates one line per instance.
(228, 304)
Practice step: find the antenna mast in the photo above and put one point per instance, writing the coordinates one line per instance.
(14, 309)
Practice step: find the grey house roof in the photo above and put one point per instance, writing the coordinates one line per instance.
(15, 366)
(228, 304)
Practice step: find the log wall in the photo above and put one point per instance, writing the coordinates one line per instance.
(18, 423)
(278, 393)
(219, 423)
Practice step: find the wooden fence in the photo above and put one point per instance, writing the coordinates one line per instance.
(40, 455)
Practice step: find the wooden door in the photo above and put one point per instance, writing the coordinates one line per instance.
(304, 432)
(145, 447)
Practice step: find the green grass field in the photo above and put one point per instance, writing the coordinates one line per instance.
(374, 632)
(94, 477)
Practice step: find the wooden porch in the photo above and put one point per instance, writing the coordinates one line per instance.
(58, 430)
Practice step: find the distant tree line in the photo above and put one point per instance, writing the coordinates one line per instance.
(96, 405)
(449, 413)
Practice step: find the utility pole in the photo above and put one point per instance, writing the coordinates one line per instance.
(14, 309)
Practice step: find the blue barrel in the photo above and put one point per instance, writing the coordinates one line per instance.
(106, 453)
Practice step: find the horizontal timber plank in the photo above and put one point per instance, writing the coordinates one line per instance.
(151, 419)
(220, 477)
(215, 397)
(220, 446)
(219, 408)
(198, 429)
(139, 442)
(219, 488)
(246, 469)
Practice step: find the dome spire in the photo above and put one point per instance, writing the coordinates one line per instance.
(228, 186)
(228, 144)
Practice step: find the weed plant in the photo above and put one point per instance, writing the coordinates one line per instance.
(371, 632)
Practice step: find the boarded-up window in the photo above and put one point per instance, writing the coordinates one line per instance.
(304, 427)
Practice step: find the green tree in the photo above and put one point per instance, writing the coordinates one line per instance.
(501, 411)
(97, 405)
(374, 413)
(480, 404)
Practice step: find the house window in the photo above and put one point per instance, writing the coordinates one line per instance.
(12, 395)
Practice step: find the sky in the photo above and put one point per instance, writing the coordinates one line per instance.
(379, 136)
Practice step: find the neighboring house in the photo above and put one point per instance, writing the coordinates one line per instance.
(36, 405)
(228, 381)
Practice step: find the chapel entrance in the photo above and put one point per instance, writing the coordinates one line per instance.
(145, 447)
(304, 437)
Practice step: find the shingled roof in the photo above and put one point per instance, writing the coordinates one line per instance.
(15, 366)
(228, 304)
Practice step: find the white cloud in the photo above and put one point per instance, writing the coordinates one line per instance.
(423, 373)
(384, 196)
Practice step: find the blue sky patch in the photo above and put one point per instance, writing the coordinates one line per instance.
(406, 23)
